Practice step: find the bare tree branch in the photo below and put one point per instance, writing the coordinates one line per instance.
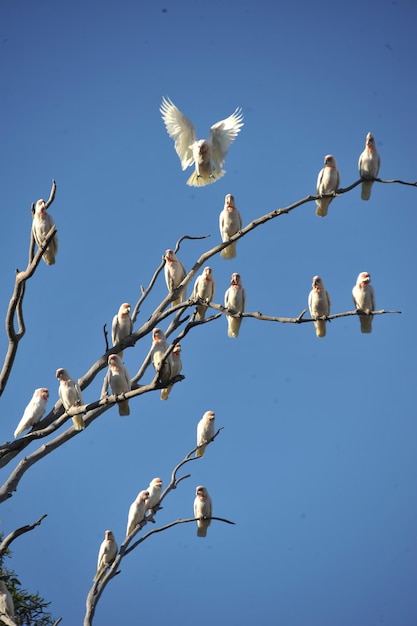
(4, 545)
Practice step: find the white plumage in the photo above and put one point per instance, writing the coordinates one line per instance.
(176, 367)
(154, 493)
(204, 288)
(205, 432)
(230, 222)
(364, 299)
(118, 379)
(208, 155)
(235, 301)
(137, 511)
(70, 394)
(174, 272)
(319, 305)
(42, 223)
(202, 508)
(368, 165)
(328, 181)
(158, 349)
(6, 606)
(106, 554)
(34, 410)
(122, 325)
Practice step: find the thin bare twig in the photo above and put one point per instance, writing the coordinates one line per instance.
(4, 545)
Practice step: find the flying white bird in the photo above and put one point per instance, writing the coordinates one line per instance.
(364, 300)
(42, 223)
(202, 508)
(137, 511)
(122, 325)
(154, 493)
(208, 155)
(230, 222)
(368, 165)
(34, 410)
(176, 367)
(235, 301)
(174, 274)
(319, 305)
(205, 432)
(118, 379)
(204, 288)
(328, 181)
(106, 554)
(158, 349)
(70, 394)
(6, 606)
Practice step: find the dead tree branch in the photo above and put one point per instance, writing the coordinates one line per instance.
(4, 545)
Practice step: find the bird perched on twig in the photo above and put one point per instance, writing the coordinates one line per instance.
(208, 155)
(42, 223)
(202, 509)
(174, 272)
(34, 410)
(204, 288)
(328, 181)
(235, 302)
(176, 367)
(158, 349)
(364, 299)
(205, 432)
(118, 379)
(319, 305)
(137, 511)
(70, 394)
(368, 165)
(122, 325)
(6, 606)
(230, 222)
(106, 554)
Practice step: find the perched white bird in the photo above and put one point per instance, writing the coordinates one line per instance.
(70, 394)
(319, 305)
(158, 349)
(204, 288)
(137, 511)
(118, 379)
(6, 606)
(368, 165)
(42, 223)
(208, 155)
(176, 367)
(34, 410)
(364, 300)
(205, 432)
(235, 301)
(154, 493)
(230, 222)
(328, 181)
(122, 325)
(202, 508)
(174, 274)
(106, 554)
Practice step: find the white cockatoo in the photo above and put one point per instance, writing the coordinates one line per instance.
(364, 300)
(106, 554)
(154, 493)
(137, 511)
(230, 222)
(319, 305)
(176, 367)
(158, 349)
(204, 288)
(6, 606)
(34, 410)
(118, 379)
(205, 432)
(368, 165)
(122, 325)
(202, 508)
(42, 223)
(235, 301)
(328, 181)
(174, 274)
(208, 155)
(70, 394)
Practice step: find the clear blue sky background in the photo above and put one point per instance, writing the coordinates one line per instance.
(317, 460)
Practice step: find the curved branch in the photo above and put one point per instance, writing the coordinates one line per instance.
(4, 545)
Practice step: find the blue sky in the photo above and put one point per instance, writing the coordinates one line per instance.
(316, 463)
